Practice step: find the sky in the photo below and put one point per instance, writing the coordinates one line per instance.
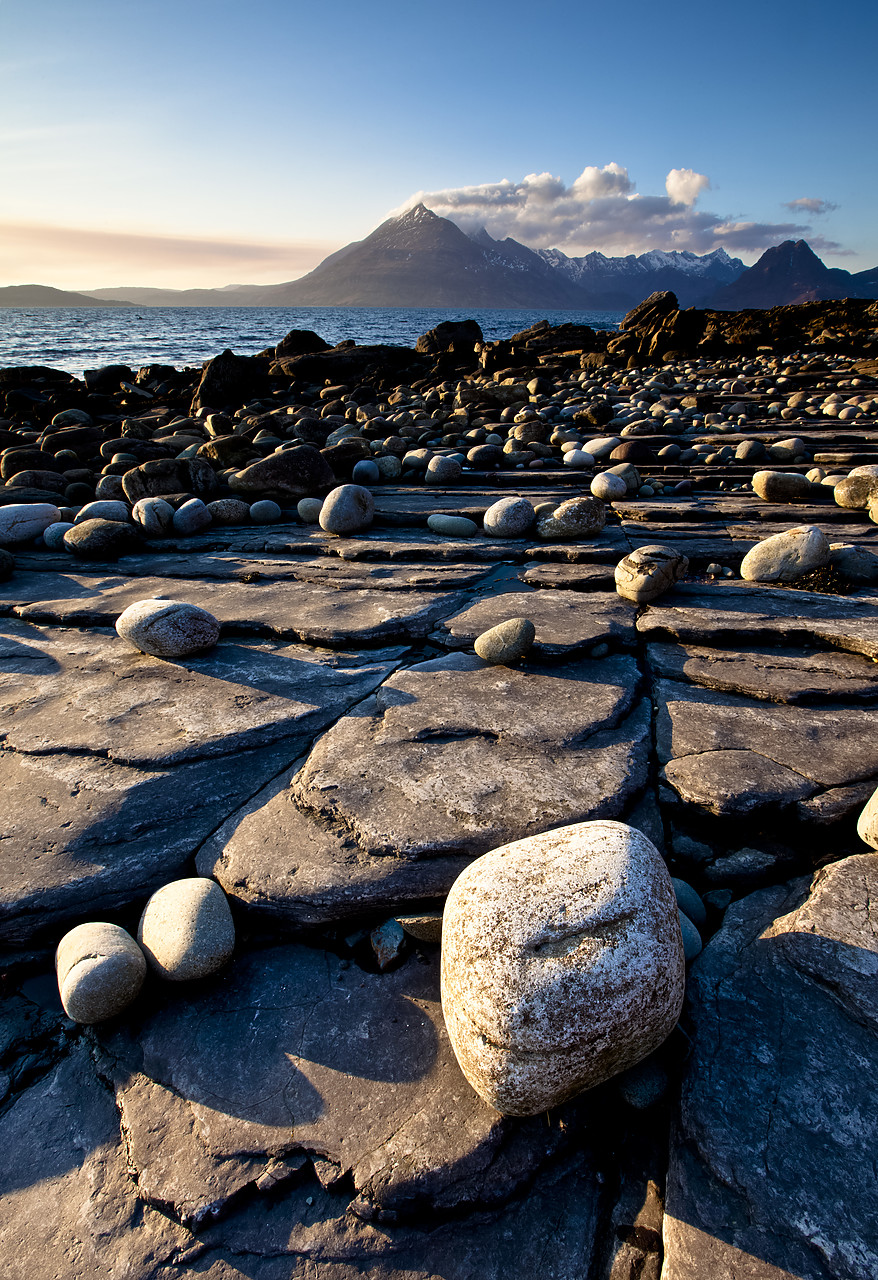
(201, 143)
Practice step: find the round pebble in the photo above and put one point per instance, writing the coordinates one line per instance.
(347, 509)
(186, 930)
(191, 518)
(608, 487)
(100, 970)
(53, 537)
(506, 643)
(168, 628)
(508, 518)
(265, 512)
(154, 516)
(308, 510)
(366, 472)
(452, 526)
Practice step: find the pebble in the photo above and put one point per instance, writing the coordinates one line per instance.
(104, 509)
(576, 518)
(855, 562)
(191, 518)
(508, 518)
(308, 510)
(22, 522)
(7, 564)
(53, 537)
(645, 1085)
(101, 539)
(692, 944)
(366, 472)
(786, 556)
(347, 509)
(609, 487)
(100, 970)
(154, 516)
(228, 511)
(562, 963)
(426, 928)
(781, 486)
(856, 492)
(452, 526)
(168, 628)
(387, 943)
(689, 901)
(186, 929)
(506, 643)
(442, 471)
(265, 512)
(649, 572)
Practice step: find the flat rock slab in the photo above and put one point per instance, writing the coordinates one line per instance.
(732, 756)
(730, 615)
(292, 1052)
(299, 610)
(570, 577)
(567, 624)
(777, 675)
(68, 691)
(772, 1168)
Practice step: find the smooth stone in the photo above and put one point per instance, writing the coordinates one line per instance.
(294, 473)
(578, 459)
(101, 539)
(601, 447)
(575, 518)
(781, 486)
(689, 902)
(365, 472)
(441, 470)
(265, 512)
(53, 537)
(191, 518)
(627, 472)
(104, 509)
(786, 556)
(506, 643)
(110, 489)
(22, 522)
(7, 564)
(692, 944)
(186, 929)
(227, 510)
(608, 487)
(562, 963)
(426, 928)
(649, 572)
(100, 970)
(452, 526)
(347, 509)
(867, 823)
(509, 518)
(308, 510)
(854, 562)
(855, 492)
(168, 628)
(154, 516)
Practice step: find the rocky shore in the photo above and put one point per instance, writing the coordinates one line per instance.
(465, 595)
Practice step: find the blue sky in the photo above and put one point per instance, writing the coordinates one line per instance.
(207, 143)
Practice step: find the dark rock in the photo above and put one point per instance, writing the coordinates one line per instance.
(163, 476)
(634, 451)
(456, 336)
(107, 379)
(7, 564)
(229, 381)
(298, 342)
(101, 539)
(290, 473)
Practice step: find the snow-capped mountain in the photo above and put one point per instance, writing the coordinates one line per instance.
(623, 282)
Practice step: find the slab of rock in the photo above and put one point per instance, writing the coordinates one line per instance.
(771, 1168)
(290, 1052)
(778, 675)
(567, 624)
(562, 963)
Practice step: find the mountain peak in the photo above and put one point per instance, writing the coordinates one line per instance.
(418, 213)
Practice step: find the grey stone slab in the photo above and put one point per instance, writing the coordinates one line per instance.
(777, 675)
(67, 1205)
(567, 624)
(667, 510)
(570, 577)
(453, 757)
(733, 614)
(772, 1169)
(300, 610)
(291, 1052)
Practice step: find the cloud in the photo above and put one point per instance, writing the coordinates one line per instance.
(88, 259)
(603, 210)
(810, 204)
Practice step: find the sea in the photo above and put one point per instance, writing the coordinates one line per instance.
(78, 338)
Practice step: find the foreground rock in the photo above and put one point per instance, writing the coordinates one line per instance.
(186, 930)
(168, 628)
(781, 1003)
(562, 964)
(100, 970)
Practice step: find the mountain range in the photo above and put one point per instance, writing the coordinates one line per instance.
(422, 260)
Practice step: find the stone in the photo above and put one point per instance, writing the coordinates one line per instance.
(649, 572)
(110, 489)
(162, 476)
(289, 473)
(154, 516)
(628, 472)
(22, 522)
(781, 486)
(578, 459)
(186, 930)
(855, 562)
(101, 539)
(192, 517)
(784, 557)
(609, 487)
(308, 510)
(441, 470)
(452, 526)
(506, 643)
(576, 518)
(168, 628)
(562, 964)
(100, 971)
(692, 945)
(388, 943)
(347, 509)
(689, 901)
(7, 563)
(365, 472)
(566, 626)
(771, 1163)
(53, 537)
(856, 492)
(867, 823)
(508, 518)
(103, 510)
(229, 511)
(265, 512)
(426, 928)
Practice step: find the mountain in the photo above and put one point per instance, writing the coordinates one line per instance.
(791, 272)
(42, 295)
(621, 283)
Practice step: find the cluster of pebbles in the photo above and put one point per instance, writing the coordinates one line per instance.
(430, 790)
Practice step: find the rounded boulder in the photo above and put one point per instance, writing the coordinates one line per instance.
(508, 642)
(562, 963)
(786, 556)
(186, 930)
(100, 970)
(168, 628)
(649, 572)
(347, 509)
(508, 518)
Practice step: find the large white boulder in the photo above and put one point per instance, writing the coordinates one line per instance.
(786, 556)
(562, 963)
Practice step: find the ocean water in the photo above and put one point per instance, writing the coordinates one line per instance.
(80, 338)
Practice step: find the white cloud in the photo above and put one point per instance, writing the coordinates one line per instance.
(684, 186)
(810, 204)
(603, 210)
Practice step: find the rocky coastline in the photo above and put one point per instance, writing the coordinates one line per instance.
(440, 601)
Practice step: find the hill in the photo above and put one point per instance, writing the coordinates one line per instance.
(42, 295)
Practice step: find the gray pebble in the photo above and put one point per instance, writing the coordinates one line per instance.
(168, 628)
(191, 518)
(186, 930)
(507, 642)
(308, 510)
(265, 512)
(100, 970)
(452, 526)
(347, 509)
